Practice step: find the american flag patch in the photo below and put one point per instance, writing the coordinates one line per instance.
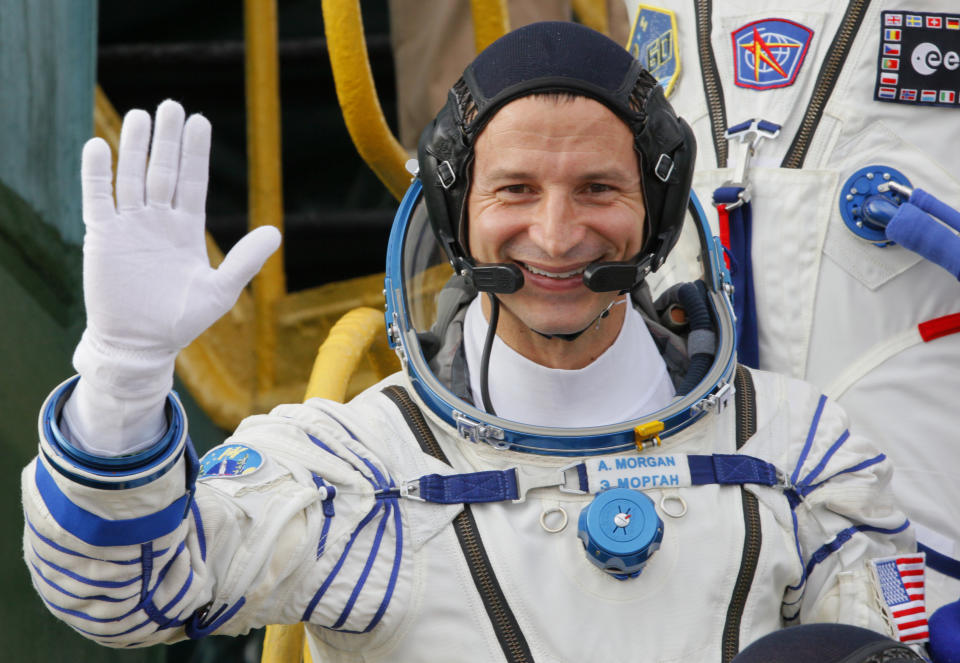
(900, 581)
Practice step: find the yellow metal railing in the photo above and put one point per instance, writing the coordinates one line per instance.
(357, 94)
(490, 21)
(265, 182)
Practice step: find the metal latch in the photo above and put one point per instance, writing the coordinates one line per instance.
(715, 400)
(393, 334)
(647, 434)
(474, 431)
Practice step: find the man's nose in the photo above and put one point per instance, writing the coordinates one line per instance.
(556, 229)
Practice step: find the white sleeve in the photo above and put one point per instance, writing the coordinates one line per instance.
(304, 526)
(846, 520)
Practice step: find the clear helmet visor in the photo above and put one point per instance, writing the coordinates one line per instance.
(425, 298)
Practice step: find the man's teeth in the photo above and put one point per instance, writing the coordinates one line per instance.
(554, 275)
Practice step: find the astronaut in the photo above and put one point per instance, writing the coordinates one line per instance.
(809, 120)
(571, 465)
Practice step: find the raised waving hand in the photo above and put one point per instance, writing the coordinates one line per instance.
(148, 285)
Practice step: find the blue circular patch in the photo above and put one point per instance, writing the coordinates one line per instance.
(233, 460)
(861, 194)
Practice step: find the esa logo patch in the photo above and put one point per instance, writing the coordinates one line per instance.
(919, 59)
(768, 54)
(654, 43)
(232, 460)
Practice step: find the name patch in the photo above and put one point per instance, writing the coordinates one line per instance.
(768, 54)
(232, 460)
(919, 59)
(639, 472)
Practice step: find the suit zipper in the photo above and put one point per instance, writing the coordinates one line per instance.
(505, 626)
(746, 426)
(827, 79)
(712, 88)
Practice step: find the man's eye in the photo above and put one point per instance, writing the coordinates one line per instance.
(596, 187)
(516, 189)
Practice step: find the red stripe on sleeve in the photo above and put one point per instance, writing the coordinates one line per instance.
(942, 326)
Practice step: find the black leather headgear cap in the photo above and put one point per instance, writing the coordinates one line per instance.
(566, 58)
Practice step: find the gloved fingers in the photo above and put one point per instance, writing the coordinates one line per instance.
(96, 181)
(132, 159)
(936, 207)
(246, 258)
(164, 154)
(191, 193)
(911, 228)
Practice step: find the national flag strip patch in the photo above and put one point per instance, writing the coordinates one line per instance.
(919, 59)
(900, 582)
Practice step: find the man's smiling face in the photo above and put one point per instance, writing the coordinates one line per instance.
(556, 187)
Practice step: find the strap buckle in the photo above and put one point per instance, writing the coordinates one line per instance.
(750, 134)
(529, 478)
(410, 489)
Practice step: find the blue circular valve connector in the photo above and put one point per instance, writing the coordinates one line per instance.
(620, 530)
(864, 208)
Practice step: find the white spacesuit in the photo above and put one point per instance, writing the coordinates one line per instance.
(851, 96)
(411, 524)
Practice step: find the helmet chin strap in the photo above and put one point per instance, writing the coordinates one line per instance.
(572, 336)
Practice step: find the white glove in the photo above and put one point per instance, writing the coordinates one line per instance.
(148, 285)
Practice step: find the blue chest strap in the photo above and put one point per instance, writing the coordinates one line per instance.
(594, 476)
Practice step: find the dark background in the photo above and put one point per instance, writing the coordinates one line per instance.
(337, 214)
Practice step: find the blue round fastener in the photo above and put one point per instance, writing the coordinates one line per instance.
(864, 208)
(620, 530)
